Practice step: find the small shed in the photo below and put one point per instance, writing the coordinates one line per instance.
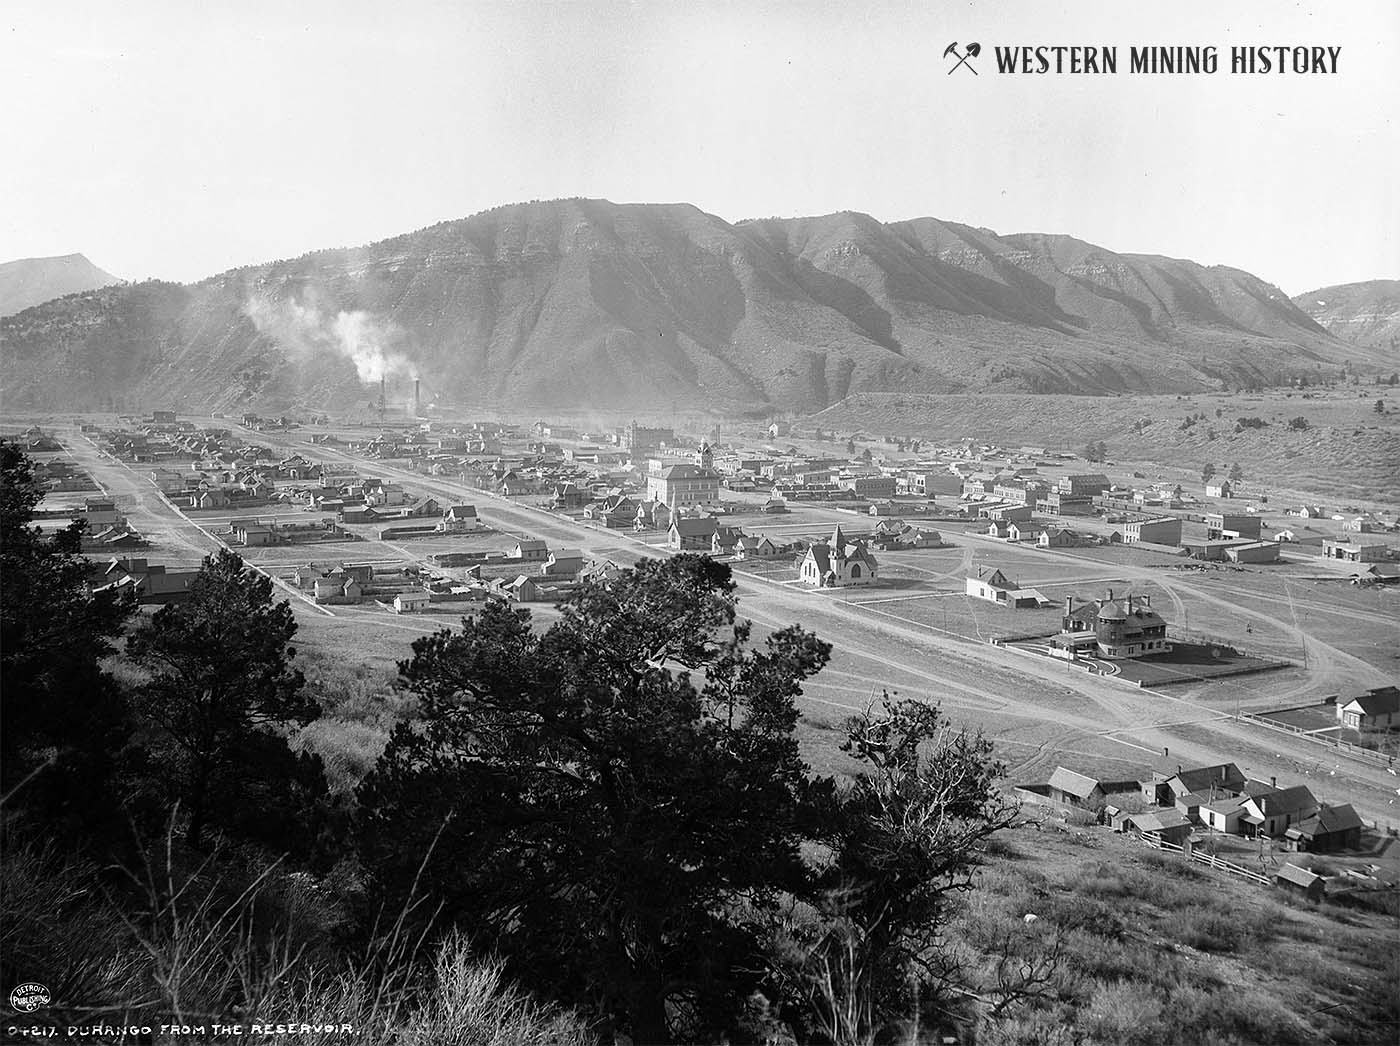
(1165, 823)
(1301, 882)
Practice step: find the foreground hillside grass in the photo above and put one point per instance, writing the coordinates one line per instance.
(1158, 951)
(1154, 950)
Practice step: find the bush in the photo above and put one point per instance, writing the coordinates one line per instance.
(1208, 931)
(1124, 1014)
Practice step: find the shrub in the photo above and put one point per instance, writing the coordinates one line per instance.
(1208, 931)
(1124, 1014)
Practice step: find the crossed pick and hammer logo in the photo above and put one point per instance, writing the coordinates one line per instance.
(971, 51)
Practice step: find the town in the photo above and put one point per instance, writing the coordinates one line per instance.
(1084, 616)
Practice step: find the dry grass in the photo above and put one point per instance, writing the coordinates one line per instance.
(207, 947)
(1159, 951)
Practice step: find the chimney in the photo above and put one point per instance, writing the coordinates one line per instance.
(1069, 605)
(1273, 782)
(1110, 595)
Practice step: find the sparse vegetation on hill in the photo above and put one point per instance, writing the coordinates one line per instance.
(1342, 447)
(574, 302)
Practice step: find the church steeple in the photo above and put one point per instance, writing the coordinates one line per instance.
(838, 541)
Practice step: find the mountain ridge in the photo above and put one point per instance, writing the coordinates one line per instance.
(1365, 313)
(627, 306)
(26, 282)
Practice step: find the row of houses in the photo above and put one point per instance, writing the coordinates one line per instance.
(1175, 807)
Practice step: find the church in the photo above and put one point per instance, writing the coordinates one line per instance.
(677, 486)
(838, 563)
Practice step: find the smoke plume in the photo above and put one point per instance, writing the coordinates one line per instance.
(303, 329)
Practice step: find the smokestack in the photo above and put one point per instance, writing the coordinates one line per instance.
(416, 400)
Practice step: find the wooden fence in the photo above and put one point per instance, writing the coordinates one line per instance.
(1380, 758)
(1210, 860)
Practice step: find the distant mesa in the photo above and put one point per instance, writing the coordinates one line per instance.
(32, 281)
(637, 307)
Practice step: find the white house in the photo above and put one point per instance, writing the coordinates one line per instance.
(997, 588)
(1377, 709)
(411, 602)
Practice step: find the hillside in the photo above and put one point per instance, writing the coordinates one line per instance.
(32, 281)
(583, 302)
(1361, 313)
(1347, 449)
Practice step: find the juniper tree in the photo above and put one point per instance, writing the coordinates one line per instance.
(66, 723)
(220, 694)
(597, 801)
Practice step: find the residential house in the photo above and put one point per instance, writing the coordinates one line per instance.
(692, 533)
(412, 602)
(1113, 628)
(151, 584)
(1024, 532)
(1219, 488)
(1332, 828)
(724, 541)
(250, 533)
(1376, 709)
(838, 563)
(1273, 813)
(531, 550)
(997, 588)
(1074, 789)
(1221, 779)
(1062, 537)
(564, 564)
(757, 547)
(652, 515)
(336, 588)
(570, 495)
(1223, 815)
(459, 518)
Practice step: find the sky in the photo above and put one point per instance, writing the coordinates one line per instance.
(170, 139)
